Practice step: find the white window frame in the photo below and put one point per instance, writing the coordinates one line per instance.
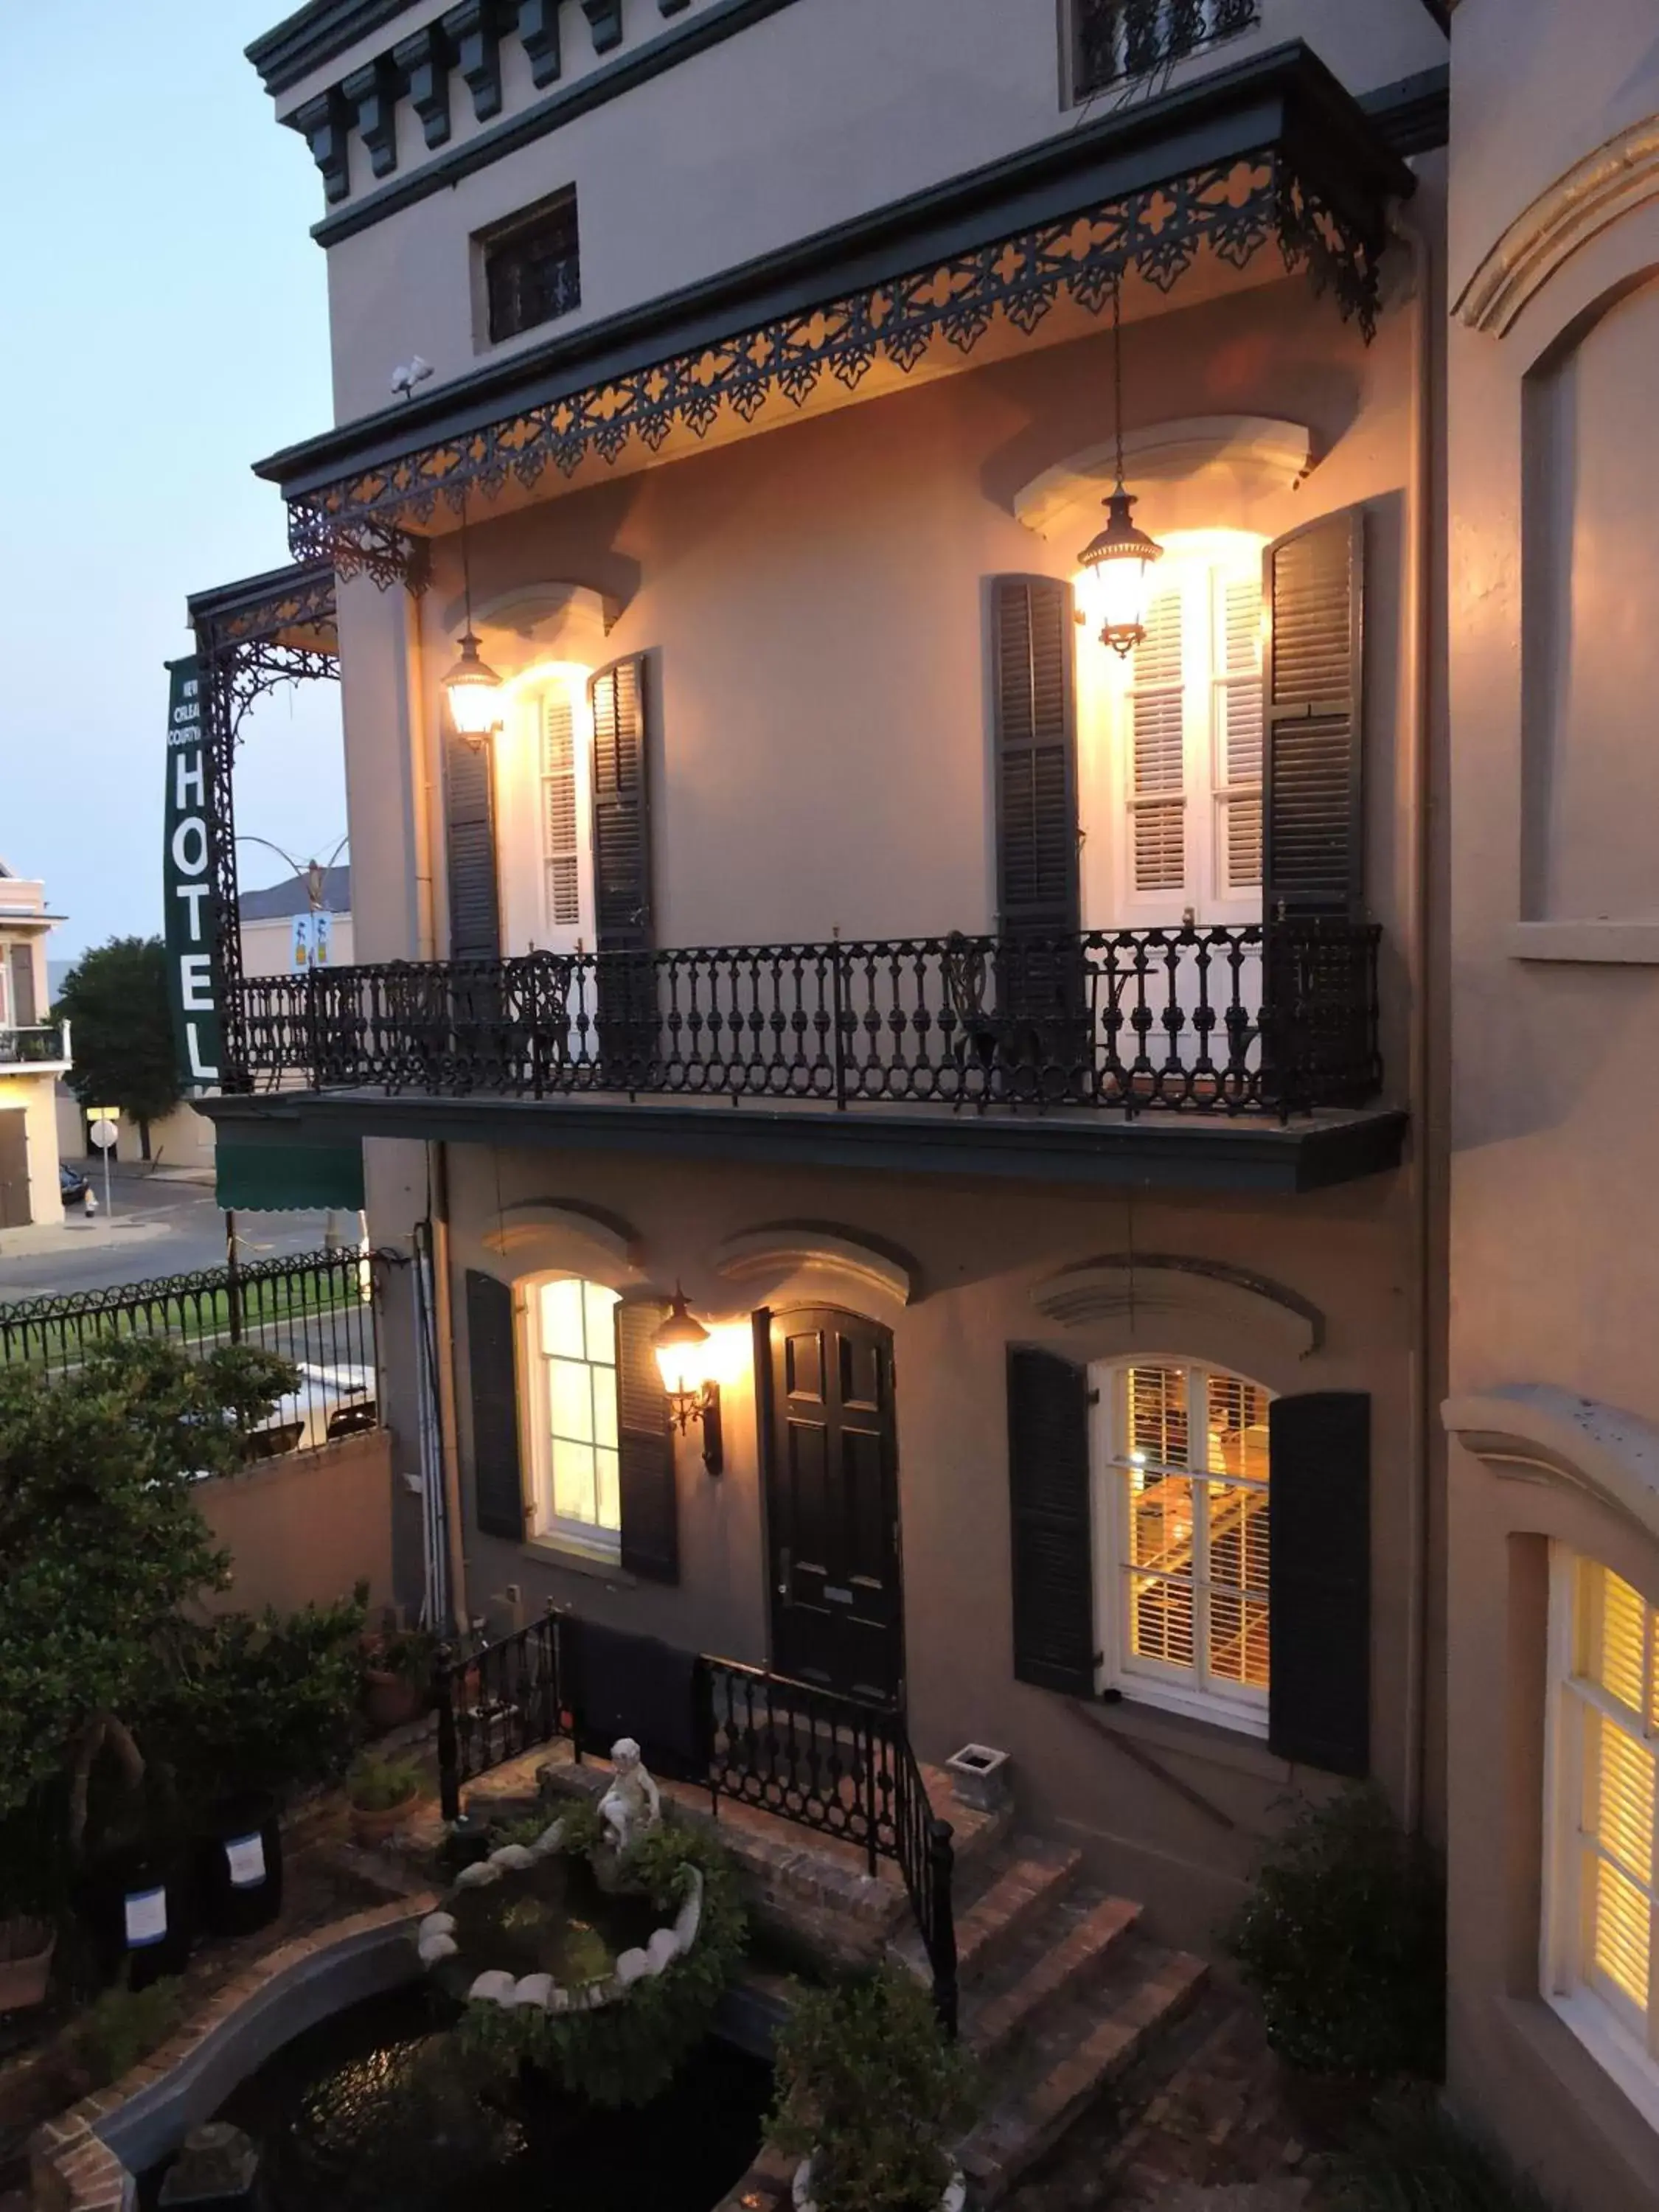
(572, 686)
(1202, 573)
(1150, 1681)
(588, 1539)
(1612, 2037)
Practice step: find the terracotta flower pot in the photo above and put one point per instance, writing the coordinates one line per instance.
(390, 1700)
(26, 1949)
(372, 1825)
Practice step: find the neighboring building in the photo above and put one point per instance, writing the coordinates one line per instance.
(1554, 1483)
(35, 1051)
(1043, 1136)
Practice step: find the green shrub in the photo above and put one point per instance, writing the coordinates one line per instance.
(123, 2026)
(376, 1784)
(1415, 2158)
(1343, 1941)
(869, 2087)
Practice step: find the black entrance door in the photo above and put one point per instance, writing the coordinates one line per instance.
(832, 1495)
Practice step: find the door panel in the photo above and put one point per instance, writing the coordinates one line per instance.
(832, 1483)
(13, 1170)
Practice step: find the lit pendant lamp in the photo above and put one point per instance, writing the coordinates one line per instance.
(684, 1351)
(473, 687)
(1119, 560)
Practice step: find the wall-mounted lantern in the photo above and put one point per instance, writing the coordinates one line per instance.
(684, 1354)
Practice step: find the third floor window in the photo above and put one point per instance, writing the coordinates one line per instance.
(532, 268)
(1118, 41)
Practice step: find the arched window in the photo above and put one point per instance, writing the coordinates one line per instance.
(1184, 1460)
(1600, 1888)
(572, 1345)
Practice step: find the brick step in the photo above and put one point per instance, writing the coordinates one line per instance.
(1074, 2050)
(1018, 1893)
(1067, 1950)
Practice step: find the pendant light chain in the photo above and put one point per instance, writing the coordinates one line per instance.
(1119, 558)
(1117, 368)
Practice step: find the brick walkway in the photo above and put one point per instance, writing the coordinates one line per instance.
(1200, 2125)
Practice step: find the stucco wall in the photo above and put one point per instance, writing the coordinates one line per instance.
(839, 110)
(34, 1094)
(306, 1529)
(1555, 927)
(979, 1250)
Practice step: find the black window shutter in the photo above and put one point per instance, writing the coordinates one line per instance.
(1035, 742)
(650, 1508)
(497, 1489)
(1319, 1580)
(1312, 813)
(622, 813)
(475, 928)
(1053, 1577)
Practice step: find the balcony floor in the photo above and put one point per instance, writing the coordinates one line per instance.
(1192, 1150)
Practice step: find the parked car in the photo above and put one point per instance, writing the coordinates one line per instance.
(72, 1186)
(329, 1402)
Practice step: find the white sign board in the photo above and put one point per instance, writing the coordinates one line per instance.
(310, 939)
(103, 1134)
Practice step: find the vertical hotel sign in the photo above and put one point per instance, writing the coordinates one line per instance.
(187, 885)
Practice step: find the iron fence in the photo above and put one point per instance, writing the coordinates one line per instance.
(317, 1309)
(48, 1043)
(840, 1767)
(1225, 1019)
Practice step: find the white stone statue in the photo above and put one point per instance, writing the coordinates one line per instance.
(632, 1806)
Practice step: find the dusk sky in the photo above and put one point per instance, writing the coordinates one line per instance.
(167, 325)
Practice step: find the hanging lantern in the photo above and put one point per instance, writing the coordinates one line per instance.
(474, 691)
(1118, 563)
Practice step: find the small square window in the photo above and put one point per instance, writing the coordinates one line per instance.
(532, 268)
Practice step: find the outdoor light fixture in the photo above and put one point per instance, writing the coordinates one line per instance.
(683, 1347)
(1119, 560)
(473, 687)
(474, 691)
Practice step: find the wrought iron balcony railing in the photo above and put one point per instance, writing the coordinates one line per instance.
(1125, 41)
(1227, 1020)
(45, 1045)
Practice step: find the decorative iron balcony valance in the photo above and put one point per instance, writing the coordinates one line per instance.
(1272, 150)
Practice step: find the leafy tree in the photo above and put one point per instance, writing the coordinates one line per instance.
(102, 1542)
(116, 996)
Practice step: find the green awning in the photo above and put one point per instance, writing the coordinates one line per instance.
(280, 1178)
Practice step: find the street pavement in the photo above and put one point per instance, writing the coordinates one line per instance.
(156, 1225)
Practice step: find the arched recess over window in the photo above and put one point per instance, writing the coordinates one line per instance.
(1601, 1931)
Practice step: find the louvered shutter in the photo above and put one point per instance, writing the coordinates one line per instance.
(560, 837)
(1036, 740)
(622, 817)
(1158, 752)
(1313, 829)
(475, 928)
(497, 1488)
(1319, 1580)
(1238, 767)
(1053, 1552)
(650, 1507)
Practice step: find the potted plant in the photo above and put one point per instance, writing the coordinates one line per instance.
(870, 2096)
(31, 1862)
(397, 1676)
(380, 1792)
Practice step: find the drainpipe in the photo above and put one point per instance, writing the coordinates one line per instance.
(1417, 633)
(425, 829)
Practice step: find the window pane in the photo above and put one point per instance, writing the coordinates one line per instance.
(1157, 1415)
(604, 1405)
(1238, 1428)
(1612, 1647)
(573, 1481)
(601, 1310)
(1238, 1639)
(562, 1319)
(1161, 1620)
(1619, 1936)
(570, 1392)
(1619, 1788)
(610, 1488)
(1161, 1521)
